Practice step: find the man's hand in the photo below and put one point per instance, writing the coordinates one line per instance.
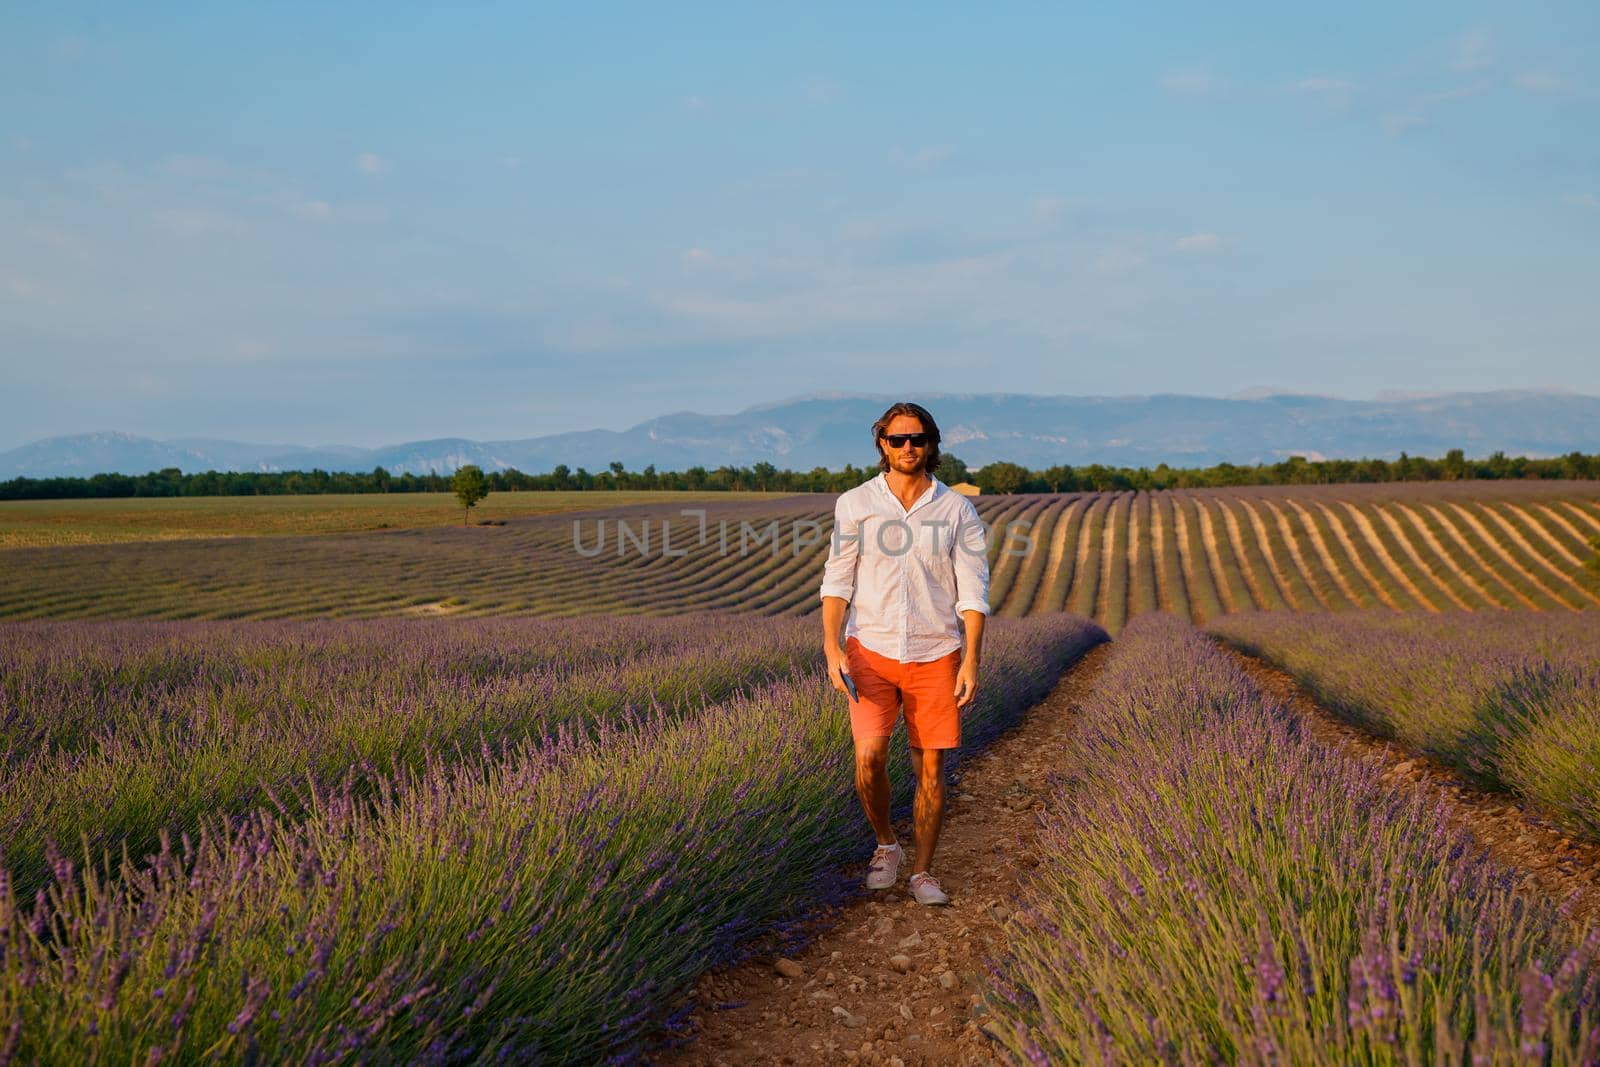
(836, 669)
(966, 681)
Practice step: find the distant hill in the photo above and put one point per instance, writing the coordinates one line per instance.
(830, 431)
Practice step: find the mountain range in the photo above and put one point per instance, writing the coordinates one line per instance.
(832, 430)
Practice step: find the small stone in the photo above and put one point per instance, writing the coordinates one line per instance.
(1000, 912)
(900, 963)
(914, 941)
(891, 898)
(789, 968)
(948, 980)
(906, 1013)
(852, 1021)
(896, 1061)
(884, 926)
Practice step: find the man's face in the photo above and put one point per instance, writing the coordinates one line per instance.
(907, 459)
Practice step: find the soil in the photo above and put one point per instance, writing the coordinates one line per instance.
(1547, 857)
(883, 979)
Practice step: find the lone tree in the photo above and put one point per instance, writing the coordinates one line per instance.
(470, 487)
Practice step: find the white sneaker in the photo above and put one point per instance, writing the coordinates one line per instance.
(885, 868)
(925, 888)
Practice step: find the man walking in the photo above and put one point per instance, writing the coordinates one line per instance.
(909, 559)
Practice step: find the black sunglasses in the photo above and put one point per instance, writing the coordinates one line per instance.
(900, 440)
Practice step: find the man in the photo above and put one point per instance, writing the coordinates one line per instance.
(909, 559)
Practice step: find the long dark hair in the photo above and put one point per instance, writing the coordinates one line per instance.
(929, 427)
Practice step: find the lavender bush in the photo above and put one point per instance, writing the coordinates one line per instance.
(1511, 699)
(114, 733)
(549, 904)
(1217, 887)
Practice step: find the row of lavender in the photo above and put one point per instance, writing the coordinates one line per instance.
(1512, 700)
(115, 732)
(550, 903)
(1218, 887)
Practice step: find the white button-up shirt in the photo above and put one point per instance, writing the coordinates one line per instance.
(908, 574)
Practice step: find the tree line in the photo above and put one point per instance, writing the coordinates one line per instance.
(999, 477)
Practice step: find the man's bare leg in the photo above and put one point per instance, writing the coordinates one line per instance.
(872, 785)
(928, 810)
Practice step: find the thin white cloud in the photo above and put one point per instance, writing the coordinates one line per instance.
(372, 163)
(71, 48)
(1583, 200)
(1541, 81)
(1459, 92)
(696, 103)
(19, 288)
(1333, 93)
(204, 168)
(315, 209)
(1048, 209)
(1198, 242)
(1323, 85)
(196, 221)
(1400, 123)
(699, 257)
(820, 90)
(1113, 262)
(1472, 49)
(928, 158)
(1190, 82)
(311, 209)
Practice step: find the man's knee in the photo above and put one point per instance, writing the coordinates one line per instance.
(872, 757)
(929, 765)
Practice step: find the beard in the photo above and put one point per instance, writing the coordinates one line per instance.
(903, 463)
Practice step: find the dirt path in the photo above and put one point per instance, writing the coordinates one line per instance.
(886, 980)
(1546, 856)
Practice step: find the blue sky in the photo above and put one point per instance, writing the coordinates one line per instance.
(367, 223)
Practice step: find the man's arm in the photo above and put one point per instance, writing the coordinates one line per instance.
(833, 609)
(972, 598)
(838, 588)
(967, 676)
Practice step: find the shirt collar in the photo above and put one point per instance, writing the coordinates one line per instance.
(929, 495)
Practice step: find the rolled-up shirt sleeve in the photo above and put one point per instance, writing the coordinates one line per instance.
(839, 573)
(972, 563)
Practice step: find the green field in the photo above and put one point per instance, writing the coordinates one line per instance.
(34, 523)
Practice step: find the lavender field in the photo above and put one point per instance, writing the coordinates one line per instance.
(1218, 887)
(434, 866)
(1510, 699)
(1200, 554)
(114, 732)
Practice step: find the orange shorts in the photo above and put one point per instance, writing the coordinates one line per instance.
(928, 691)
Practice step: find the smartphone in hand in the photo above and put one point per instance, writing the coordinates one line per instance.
(849, 685)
